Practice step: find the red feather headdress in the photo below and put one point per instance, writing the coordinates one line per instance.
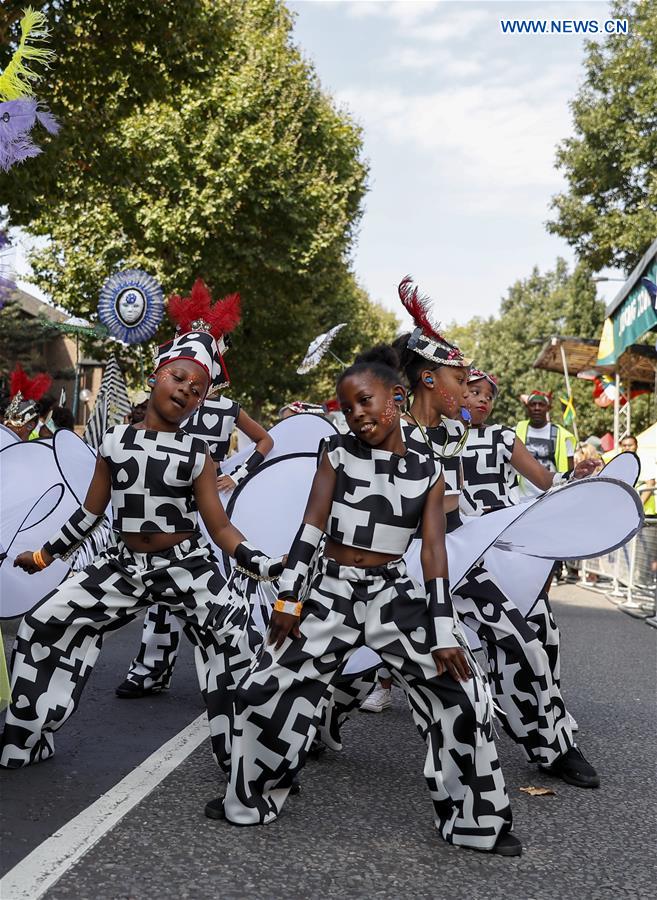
(197, 313)
(29, 388)
(418, 307)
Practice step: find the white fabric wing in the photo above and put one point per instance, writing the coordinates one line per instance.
(76, 461)
(580, 520)
(625, 467)
(296, 434)
(7, 437)
(34, 503)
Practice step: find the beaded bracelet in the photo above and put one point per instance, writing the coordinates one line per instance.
(38, 559)
(292, 607)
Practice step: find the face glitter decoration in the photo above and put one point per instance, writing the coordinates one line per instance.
(390, 412)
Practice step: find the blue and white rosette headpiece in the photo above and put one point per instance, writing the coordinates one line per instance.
(131, 306)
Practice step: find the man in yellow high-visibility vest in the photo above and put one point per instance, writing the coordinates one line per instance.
(552, 445)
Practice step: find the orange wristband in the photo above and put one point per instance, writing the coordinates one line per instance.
(38, 559)
(291, 607)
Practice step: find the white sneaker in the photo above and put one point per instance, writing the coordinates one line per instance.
(572, 721)
(377, 701)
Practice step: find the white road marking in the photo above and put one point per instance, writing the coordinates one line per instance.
(45, 865)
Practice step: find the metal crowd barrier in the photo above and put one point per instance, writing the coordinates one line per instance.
(628, 575)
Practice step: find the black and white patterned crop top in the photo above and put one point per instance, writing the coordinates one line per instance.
(488, 474)
(443, 441)
(379, 496)
(153, 474)
(213, 422)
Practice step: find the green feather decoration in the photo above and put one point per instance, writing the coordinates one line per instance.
(17, 79)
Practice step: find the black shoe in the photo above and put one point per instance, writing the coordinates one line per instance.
(295, 788)
(574, 769)
(316, 749)
(215, 809)
(129, 690)
(507, 844)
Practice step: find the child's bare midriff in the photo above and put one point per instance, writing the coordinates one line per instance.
(354, 556)
(153, 542)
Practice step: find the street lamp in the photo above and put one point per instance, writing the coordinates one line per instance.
(605, 278)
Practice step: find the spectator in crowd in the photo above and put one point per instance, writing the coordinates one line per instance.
(138, 412)
(62, 417)
(646, 491)
(44, 427)
(629, 444)
(552, 445)
(646, 487)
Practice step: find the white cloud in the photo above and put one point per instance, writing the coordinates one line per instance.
(403, 12)
(456, 23)
(461, 125)
(418, 59)
(491, 142)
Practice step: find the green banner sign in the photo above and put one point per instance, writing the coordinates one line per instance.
(634, 317)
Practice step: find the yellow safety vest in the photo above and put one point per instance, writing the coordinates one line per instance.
(650, 505)
(560, 436)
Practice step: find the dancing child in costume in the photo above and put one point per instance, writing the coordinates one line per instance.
(369, 495)
(493, 458)
(151, 670)
(158, 479)
(523, 684)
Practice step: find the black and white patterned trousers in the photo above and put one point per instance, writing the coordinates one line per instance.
(58, 643)
(284, 696)
(153, 665)
(524, 659)
(523, 664)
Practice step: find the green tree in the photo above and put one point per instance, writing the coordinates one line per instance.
(23, 338)
(12, 11)
(609, 212)
(535, 309)
(196, 141)
(368, 324)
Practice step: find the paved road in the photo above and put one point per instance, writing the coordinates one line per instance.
(362, 826)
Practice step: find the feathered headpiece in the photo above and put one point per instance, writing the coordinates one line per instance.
(426, 340)
(29, 388)
(201, 332)
(19, 109)
(478, 375)
(24, 392)
(301, 407)
(17, 79)
(197, 312)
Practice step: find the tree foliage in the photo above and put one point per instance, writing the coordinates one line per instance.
(535, 309)
(196, 141)
(609, 212)
(23, 338)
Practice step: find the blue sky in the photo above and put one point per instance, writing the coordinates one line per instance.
(460, 127)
